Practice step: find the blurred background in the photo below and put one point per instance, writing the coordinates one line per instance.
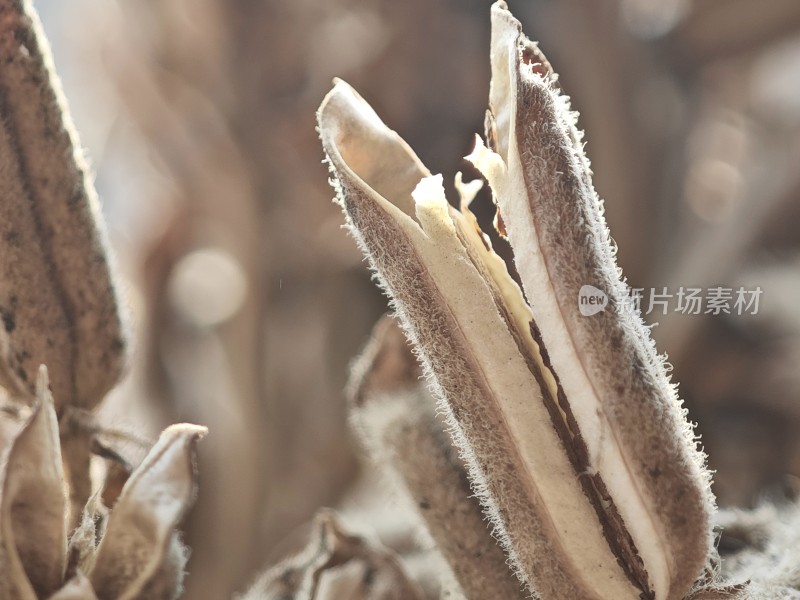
(250, 301)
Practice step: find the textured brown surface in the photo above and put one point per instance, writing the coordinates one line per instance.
(57, 297)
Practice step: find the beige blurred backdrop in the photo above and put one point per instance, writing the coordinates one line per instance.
(250, 300)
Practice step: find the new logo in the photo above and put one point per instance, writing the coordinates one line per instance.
(591, 300)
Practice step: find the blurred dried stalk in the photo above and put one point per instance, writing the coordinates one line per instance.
(58, 298)
(60, 309)
(247, 372)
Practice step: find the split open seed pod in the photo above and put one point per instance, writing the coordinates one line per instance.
(575, 438)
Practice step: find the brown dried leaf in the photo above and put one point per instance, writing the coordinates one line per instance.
(137, 557)
(33, 535)
(58, 301)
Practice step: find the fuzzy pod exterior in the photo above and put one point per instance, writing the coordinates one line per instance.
(393, 413)
(623, 403)
(575, 439)
(471, 336)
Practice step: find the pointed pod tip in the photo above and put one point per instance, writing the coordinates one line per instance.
(326, 517)
(340, 86)
(343, 106)
(42, 377)
(187, 430)
(502, 17)
(329, 529)
(341, 92)
(43, 394)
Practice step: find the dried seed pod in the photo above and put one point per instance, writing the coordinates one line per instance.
(617, 396)
(579, 451)
(139, 556)
(33, 534)
(335, 565)
(452, 315)
(58, 301)
(394, 414)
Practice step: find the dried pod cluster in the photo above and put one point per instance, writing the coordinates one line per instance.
(573, 436)
(130, 552)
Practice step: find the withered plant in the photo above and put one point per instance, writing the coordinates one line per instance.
(63, 345)
(543, 447)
